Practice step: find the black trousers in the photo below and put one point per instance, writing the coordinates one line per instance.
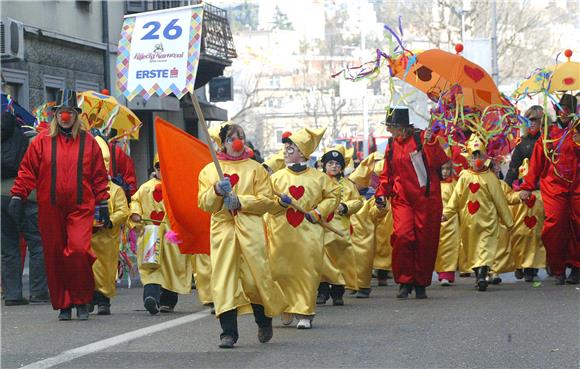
(229, 321)
(161, 295)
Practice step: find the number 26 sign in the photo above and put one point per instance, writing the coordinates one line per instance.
(159, 52)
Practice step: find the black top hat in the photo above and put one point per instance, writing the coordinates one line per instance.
(398, 116)
(66, 99)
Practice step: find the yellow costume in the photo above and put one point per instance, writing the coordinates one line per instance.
(527, 247)
(202, 275)
(276, 161)
(449, 237)
(339, 252)
(240, 270)
(174, 272)
(105, 242)
(504, 260)
(296, 246)
(480, 203)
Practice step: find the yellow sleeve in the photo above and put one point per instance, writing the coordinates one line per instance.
(454, 203)
(330, 196)
(353, 200)
(120, 210)
(207, 199)
(262, 200)
(499, 200)
(512, 197)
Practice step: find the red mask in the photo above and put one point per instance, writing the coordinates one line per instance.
(478, 163)
(65, 116)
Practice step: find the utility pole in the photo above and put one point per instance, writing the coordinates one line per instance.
(494, 68)
(364, 97)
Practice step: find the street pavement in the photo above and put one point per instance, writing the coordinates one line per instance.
(513, 325)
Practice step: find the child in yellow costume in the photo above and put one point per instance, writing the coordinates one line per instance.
(172, 273)
(105, 242)
(339, 253)
(449, 238)
(479, 202)
(526, 237)
(365, 221)
(296, 242)
(240, 270)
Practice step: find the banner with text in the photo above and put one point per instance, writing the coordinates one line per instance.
(158, 52)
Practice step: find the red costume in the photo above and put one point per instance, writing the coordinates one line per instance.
(123, 168)
(416, 215)
(70, 178)
(560, 189)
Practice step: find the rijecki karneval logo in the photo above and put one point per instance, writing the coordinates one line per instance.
(158, 54)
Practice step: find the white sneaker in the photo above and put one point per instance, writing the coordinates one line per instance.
(445, 282)
(304, 324)
(287, 318)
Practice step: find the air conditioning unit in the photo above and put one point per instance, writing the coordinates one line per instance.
(11, 39)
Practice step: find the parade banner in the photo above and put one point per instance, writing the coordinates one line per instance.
(158, 52)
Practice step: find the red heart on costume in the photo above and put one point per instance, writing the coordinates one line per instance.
(530, 201)
(294, 217)
(157, 217)
(530, 221)
(296, 192)
(568, 81)
(472, 207)
(158, 193)
(234, 178)
(475, 74)
(474, 187)
(329, 217)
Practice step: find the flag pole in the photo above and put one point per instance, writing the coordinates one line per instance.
(201, 118)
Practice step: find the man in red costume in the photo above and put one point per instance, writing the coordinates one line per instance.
(65, 166)
(558, 172)
(411, 181)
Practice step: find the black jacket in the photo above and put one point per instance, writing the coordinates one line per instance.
(522, 151)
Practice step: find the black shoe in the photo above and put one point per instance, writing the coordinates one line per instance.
(482, 278)
(404, 291)
(323, 293)
(519, 274)
(151, 305)
(529, 274)
(21, 301)
(363, 293)
(104, 309)
(227, 342)
(574, 276)
(321, 299)
(496, 280)
(65, 314)
(83, 311)
(338, 301)
(265, 334)
(382, 277)
(43, 298)
(559, 280)
(420, 292)
(464, 275)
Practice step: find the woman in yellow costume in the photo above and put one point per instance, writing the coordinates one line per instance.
(171, 273)
(449, 238)
(526, 238)
(240, 270)
(339, 267)
(105, 242)
(296, 246)
(479, 202)
(365, 221)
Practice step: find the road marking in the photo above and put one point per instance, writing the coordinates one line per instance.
(75, 353)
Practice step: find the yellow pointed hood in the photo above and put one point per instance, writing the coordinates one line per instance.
(307, 140)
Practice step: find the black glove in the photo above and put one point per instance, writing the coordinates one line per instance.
(16, 209)
(102, 214)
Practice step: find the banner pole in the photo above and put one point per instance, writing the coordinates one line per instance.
(201, 118)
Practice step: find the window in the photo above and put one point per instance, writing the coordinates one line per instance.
(81, 86)
(16, 85)
(51, 87)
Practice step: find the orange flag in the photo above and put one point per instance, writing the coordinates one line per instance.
(182, 157)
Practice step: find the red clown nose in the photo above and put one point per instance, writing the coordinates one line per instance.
(237, 145)
(478, 163)
(65, 116)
